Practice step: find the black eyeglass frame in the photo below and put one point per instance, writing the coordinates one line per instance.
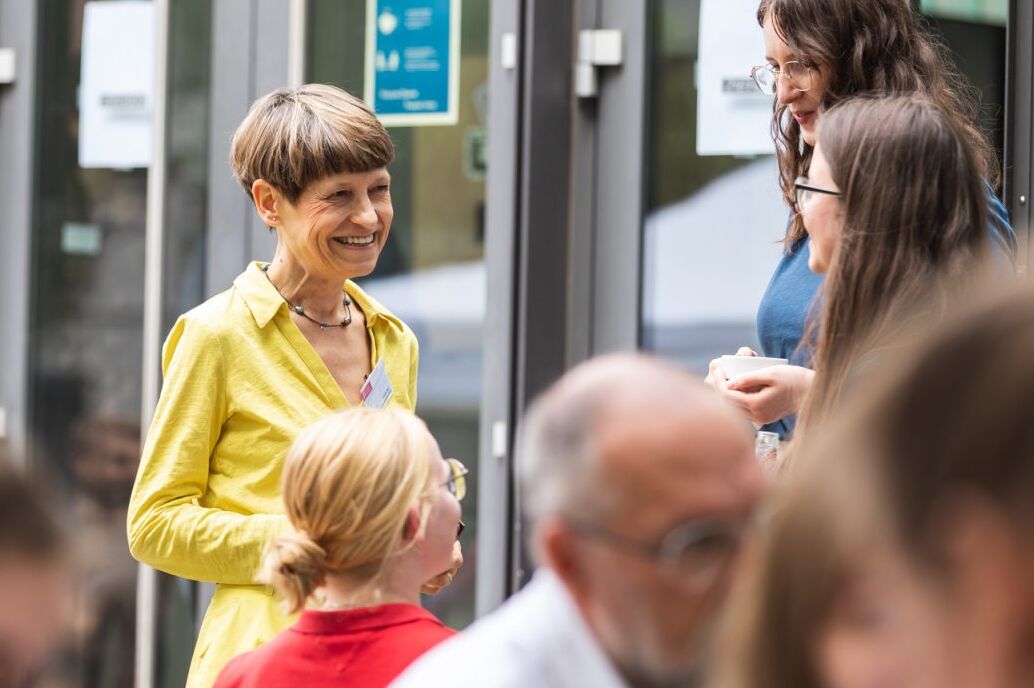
(801, 184)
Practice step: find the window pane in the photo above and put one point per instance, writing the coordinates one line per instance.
(713, 222)
(975, 34)
(87, 317)
(86, 338)
(432, 272)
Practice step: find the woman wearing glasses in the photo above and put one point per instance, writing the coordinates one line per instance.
(896, 211)
(818, 53)
(375, 511)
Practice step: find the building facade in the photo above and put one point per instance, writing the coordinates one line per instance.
(587, 195)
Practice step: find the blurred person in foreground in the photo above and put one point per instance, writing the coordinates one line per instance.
(376, 512)
(902, 553)
(35, 591)
(290, 342)
(640, 486)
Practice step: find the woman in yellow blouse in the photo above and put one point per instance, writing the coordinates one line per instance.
(288, 343)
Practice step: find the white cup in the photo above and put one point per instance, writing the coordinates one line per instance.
(737, 365)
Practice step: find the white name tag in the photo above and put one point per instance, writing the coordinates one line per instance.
(376, 392)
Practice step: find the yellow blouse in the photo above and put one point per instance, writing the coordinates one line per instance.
(241, 381)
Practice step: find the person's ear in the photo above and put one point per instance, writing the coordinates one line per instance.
(412, 525)
(558, 548)
(267, 202)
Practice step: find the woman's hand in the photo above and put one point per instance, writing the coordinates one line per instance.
(436, 584)
(715, 372)
(768, 394)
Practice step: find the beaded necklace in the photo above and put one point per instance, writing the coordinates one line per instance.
(297, 308)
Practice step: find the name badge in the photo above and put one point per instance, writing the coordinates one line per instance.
(377, 391)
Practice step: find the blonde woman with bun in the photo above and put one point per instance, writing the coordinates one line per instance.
(375, 511)
(289, 342)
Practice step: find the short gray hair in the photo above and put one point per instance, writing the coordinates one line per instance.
(556, 454)
(558, 459)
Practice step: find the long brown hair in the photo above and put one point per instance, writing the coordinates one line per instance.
(878, 47)
(914, 220)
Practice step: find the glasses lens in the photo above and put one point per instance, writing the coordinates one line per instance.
(764, 79)
(457, 480)
(801, 196)
(702, 551)
(704, 562)
(798, 75)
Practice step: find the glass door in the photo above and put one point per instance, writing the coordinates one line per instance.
(87, 311)
(432, 273)
(713, 213)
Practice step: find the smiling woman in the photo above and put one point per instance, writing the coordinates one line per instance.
(290, 342)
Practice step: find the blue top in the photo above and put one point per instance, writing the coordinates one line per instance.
(785, 307)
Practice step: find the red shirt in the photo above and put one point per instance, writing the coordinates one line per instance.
(364, 648)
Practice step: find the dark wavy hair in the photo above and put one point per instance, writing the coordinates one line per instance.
(873, 47)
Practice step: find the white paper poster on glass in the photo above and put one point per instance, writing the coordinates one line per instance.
(413, 61)
(733, 116)
(116, 92)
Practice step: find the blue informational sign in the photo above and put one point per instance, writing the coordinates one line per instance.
(412, 61)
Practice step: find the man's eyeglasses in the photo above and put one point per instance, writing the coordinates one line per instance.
(698, 550)
(457, 482)
(797, 75)
(803, 192)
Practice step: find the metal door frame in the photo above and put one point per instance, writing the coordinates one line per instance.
(610, 188)
(1019, 126)
(18, 133)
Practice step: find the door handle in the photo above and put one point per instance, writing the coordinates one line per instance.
(596, 48)
(7, 65)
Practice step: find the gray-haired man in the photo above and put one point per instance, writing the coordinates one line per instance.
(640, 486)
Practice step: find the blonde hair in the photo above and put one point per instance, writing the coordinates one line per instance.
(349, 482)
(293, 137)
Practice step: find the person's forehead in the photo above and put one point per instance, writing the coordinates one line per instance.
(775, 47)
(354, 177)
(674, 462)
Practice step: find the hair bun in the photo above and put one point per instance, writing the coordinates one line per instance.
(295, 566)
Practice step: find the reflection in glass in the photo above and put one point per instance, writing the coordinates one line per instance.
(87, 315)
(713, 224)
(86, 337)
